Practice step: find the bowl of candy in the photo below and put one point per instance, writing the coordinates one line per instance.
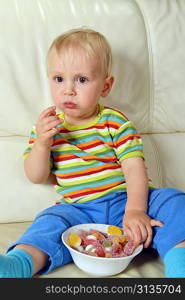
(99, 249)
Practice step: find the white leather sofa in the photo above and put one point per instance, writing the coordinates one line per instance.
(147, 38)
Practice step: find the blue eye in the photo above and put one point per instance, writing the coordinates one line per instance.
(58, 79)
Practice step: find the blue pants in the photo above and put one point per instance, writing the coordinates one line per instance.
(165, 204)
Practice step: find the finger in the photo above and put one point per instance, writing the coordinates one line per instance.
(46, 121)
(50, 119)
(50, 111)
(133, 235)
(49, 134)
(144, 233)
(137, 235)
(128, 233)
(154, 222)
(51, 125)
(149, 236)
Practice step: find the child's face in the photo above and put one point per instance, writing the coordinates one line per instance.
(76, 83)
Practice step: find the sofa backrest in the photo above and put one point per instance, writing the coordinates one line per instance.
(147, 39)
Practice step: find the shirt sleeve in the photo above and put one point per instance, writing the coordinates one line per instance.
(128, 142)
(31, 140)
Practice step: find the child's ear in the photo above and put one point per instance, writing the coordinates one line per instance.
(107, 86)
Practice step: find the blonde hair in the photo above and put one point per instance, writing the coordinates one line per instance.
(92, 41)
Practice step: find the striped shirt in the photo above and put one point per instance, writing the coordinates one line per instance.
(86, 159)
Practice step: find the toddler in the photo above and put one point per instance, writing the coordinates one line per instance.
(94, 156)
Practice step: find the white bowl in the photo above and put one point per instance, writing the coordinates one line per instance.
(97, 266)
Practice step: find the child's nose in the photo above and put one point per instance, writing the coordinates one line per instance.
(69, 92)
(69, 89)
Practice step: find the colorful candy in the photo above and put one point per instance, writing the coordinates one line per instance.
(96, 243)
(114, 230)
(74, 240)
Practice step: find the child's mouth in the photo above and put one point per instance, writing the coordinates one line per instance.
(70, 105)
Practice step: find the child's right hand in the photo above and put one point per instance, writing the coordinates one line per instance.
(45, 126)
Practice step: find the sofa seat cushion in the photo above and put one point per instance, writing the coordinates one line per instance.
(146, 265)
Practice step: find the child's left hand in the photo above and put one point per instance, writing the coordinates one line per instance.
(137, 226)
